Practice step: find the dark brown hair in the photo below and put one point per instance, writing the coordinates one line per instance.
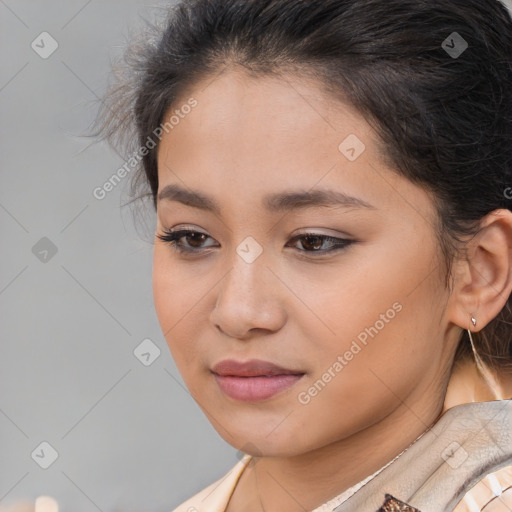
(444, 119)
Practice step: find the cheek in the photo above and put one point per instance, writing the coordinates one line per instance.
(173, 294)
(163, 297)
(169, 297)
(356, 384)
(380, 324)
(177, 305)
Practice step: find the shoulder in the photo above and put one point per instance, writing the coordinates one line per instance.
(466, 443)
(215, 497)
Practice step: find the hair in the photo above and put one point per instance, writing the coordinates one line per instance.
(443, 121)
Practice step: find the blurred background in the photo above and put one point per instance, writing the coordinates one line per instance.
(92, 409)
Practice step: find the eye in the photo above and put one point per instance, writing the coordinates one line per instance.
(172, 238)
(312, 242)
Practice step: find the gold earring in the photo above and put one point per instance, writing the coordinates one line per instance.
(487, 375)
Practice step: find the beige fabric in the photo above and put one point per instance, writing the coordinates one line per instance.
(467, 442)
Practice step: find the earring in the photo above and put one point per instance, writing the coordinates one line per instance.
(475, 355)
(487, 375)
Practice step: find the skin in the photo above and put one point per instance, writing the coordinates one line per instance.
(467, 385)
(249, 137)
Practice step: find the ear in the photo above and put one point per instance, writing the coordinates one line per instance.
(483, 281)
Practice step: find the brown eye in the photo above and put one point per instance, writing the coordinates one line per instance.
(191, 242)
(312, 242)
(194, 240)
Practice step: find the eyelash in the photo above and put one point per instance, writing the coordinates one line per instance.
(172, 237)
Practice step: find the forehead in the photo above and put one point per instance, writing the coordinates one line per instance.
(247, 137)
(279, 122)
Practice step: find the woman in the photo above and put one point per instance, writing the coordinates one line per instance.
(333, 249)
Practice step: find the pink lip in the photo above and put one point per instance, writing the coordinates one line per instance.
(253, 380)
(251, 368)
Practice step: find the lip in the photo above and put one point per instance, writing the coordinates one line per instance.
(254, 380)
(251, 368)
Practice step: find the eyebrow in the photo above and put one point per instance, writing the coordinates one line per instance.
(275, 202)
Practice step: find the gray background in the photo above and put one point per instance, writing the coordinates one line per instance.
(128, 436)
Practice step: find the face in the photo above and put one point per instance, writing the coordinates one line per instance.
(346, 295)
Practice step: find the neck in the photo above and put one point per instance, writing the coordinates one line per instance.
(467, 385)
(305, 481)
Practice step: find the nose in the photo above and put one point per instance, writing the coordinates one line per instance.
(249, 300)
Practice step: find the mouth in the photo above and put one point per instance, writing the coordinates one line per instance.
(254, 380)
(251, 368)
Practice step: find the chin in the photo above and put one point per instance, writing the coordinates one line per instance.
(262, 442)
